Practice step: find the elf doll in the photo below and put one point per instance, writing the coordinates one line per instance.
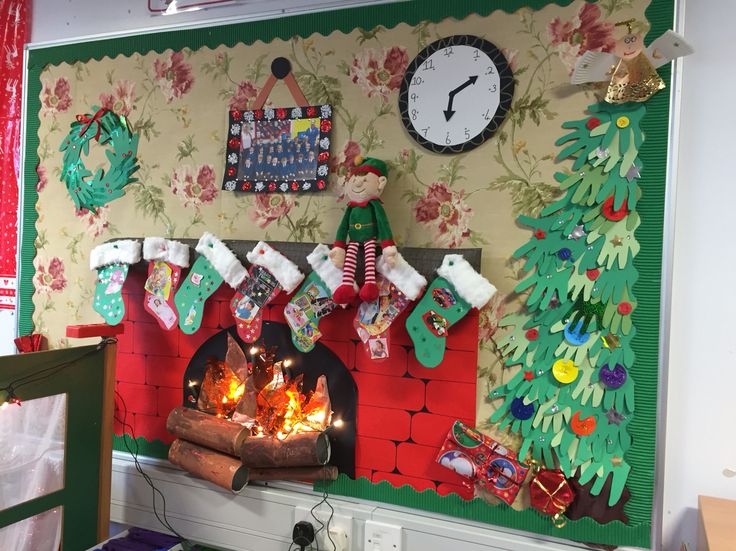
(364, 223)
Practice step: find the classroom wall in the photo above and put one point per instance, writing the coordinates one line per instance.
(701, 407)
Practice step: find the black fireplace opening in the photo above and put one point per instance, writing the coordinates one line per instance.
(319, 361)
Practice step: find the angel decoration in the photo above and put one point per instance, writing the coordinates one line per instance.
(631, 69)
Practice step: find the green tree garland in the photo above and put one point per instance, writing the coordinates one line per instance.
(107, 128)
(573, 397)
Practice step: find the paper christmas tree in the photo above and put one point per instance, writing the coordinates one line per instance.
(573, 397)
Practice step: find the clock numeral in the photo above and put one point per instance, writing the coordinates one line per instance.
(414, 113)
(493, 88)
(414, 96)
(425, 130)
(416, 81)
(448, 52)
(448, 141)
(487, 115)
(428, 65)
(467, 133)
(476, 55)
(490, 70)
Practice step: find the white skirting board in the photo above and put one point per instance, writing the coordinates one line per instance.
(261, 517)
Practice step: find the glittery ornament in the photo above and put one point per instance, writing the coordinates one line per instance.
(613, 378)
(577, 232)
(565, 371)
(520, 410)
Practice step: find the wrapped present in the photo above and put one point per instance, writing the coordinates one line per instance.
(551, 494)
(482, 460)
(503, 476)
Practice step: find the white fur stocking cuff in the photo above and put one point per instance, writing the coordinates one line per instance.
(469, 284)
(222, 259)
(166, 250)
(124, 251)
(284, 270)
(403, 275)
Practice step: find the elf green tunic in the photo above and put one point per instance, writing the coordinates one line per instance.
(364, 221)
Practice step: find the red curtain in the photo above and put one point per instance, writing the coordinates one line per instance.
(14, 28)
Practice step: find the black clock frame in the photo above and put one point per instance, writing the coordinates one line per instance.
(506, 89)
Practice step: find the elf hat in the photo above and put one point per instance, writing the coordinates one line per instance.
(369, 164)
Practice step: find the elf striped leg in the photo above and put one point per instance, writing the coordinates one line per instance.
(369, 291)
(346, 291)
(351, 260)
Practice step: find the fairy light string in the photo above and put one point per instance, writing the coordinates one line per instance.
(9, 392)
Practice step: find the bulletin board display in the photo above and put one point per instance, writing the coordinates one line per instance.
(176, 90)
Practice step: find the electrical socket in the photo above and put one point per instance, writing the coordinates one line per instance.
(341, 527)
(382, 537)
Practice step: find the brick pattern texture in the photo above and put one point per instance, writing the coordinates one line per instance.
(404, 409)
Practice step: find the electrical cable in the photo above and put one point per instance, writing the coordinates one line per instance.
(48, 372)
(324, 500)
(134, 454)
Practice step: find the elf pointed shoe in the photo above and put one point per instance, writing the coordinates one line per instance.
(343, 294)
(369, 292)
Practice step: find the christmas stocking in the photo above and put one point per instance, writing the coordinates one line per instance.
(398, 286)
(165, 261)
(449, 297)
(270, 273)
(111, 260)
(314, 299)
(215, 264)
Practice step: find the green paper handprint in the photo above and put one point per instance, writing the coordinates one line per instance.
(614, 282)
(601, 470)
(545, 286)
(582, 143)
(586, 390)
(617, 316)
(620, 249)
(596, 220)
(581, 285)
(514, 344)
(621, 121)
(621, 399)
(588, 184)
(586, 311)
(621, 189)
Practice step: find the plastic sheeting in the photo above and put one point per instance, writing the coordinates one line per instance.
(32, 465)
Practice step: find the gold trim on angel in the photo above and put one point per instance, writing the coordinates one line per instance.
(629, 72)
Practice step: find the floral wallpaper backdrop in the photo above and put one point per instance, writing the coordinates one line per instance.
(178, 101)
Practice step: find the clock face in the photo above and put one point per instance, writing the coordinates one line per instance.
(456, 93)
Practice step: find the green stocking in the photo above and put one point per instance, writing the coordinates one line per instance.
(215, 264)
(111, 260)
(313, 300)
(449, 297)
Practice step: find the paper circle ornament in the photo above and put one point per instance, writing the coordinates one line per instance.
(614, 214)
(520, 410)
(582, 427)
(575, 335)
(613, 378)
(565, 371)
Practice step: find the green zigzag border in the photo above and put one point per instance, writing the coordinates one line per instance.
(660, 14)
(148, 448)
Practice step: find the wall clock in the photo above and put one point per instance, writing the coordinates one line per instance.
(456, 93)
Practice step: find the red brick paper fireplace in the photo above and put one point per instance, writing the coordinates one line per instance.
(404, 410)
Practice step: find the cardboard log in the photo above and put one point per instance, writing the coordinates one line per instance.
(207, 430)
(301, 474)
(220, 469)
(306, 449)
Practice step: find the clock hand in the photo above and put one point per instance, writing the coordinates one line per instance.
(449, 112)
